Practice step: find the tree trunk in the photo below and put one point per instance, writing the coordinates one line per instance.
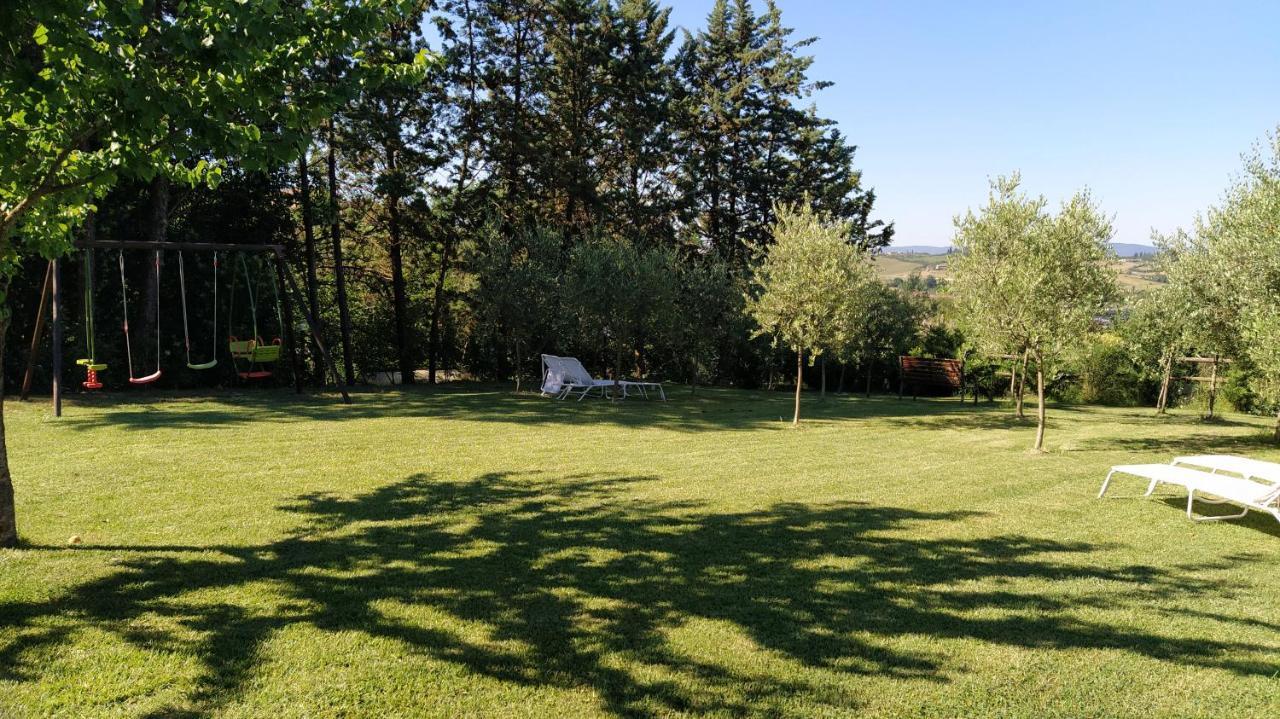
(157, 231)
(1276, 434)
(1039, 447)
(823, 392)
(519, 363)
(868, 393)
(1022, 386)
(400, 303)
(840, 382)
(617, 371)
(1162, 402)
(38, 331)
(433, 361)
(339, 272)
(8, 515)
(464, 176)
(1213, 385)
(309, 249)
(795, 420)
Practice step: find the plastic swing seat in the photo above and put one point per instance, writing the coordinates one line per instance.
(148, 379)
(205, 365)
(92, 369)
(255, 352)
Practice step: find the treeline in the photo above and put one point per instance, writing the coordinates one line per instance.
(572, 176)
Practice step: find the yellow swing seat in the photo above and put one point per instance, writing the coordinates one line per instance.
(255, 351)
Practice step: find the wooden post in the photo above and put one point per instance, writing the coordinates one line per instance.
(311, 325)
(55, 284)
(36, 333)
(290, 338)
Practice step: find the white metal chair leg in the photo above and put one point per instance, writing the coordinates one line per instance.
(1151, 487)
(1105, 482)
(1191, 494)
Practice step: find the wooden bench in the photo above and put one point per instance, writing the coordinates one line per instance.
(921, 372)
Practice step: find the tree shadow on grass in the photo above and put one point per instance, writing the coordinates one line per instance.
(710, 409)
(579, 586)
(1184, 444)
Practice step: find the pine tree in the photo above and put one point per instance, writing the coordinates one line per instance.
(637, 159)
(388, 132)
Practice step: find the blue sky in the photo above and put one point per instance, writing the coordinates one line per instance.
(1148, 104)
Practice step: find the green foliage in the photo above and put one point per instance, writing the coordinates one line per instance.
(517, 290)
(1028, 280)
(1228, 269)
(887, 324)
(711, 307)
(1107, 374)
(810, 284)
(1024, 278)
(749, 139)
(810, 288)
(1155, 327)
(622, 294)
(94, 91)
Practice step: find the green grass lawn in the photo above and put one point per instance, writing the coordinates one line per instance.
(467, 552)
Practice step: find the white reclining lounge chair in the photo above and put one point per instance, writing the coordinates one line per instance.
(1255, 469)
(1220, 488)
(562, 376)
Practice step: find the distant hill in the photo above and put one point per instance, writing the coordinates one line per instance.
(1136, 269)
(917, 250)
(1130, 249)
(1123, 249)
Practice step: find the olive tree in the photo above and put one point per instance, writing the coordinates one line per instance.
(1026, 279)
(517, 289)
(710, 306)
(885, 326)
(808, 287)
(92, 92)
(1238, 257)
(1154, 333)
(622, 293)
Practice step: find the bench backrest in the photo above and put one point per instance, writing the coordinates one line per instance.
(936, 372)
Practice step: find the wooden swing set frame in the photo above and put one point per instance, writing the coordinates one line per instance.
(51, 296)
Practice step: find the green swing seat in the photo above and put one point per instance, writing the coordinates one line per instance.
(255, 351)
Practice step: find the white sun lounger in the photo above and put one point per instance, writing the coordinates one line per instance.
(1220, 488)
(1255, 469)
(562, 376)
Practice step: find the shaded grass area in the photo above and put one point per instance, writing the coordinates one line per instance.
(467, 552)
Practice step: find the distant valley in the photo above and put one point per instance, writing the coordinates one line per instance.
(1137, 269)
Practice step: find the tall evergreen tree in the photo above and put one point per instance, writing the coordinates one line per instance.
(748, 143)
(513, 43)
(388, 132)
(637, 159)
